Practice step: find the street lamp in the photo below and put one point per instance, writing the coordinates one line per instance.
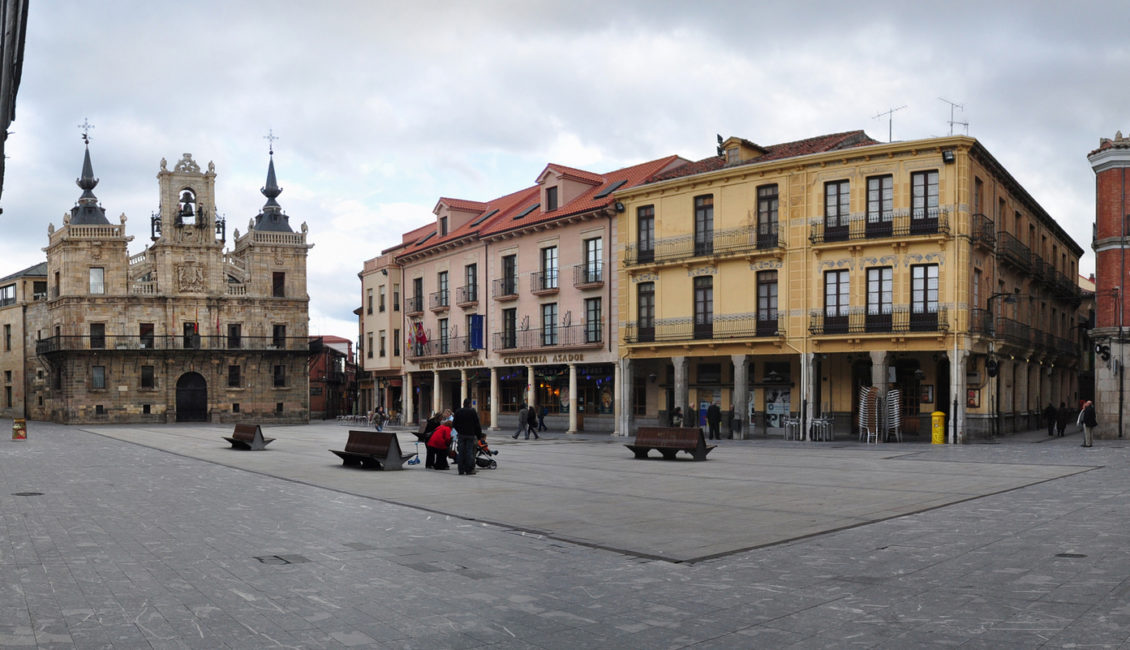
(1010, 298)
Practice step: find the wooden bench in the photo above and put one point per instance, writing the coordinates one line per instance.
(373, 450)
(248, 437)
(670, 441)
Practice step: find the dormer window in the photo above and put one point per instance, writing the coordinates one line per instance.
(550, 199)
(733, 156)
(442, 226)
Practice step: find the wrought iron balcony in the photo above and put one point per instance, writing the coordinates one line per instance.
(1014, 332)
(900, 320)
(567, 336)
(1013, 251)
(164, 343)
(588, 276)
(722, 327)
(981, 322)
(414, 305)
(468, 295)
(505, 288)
(441, 347)
(750, 240)
(544, 282)
(439, 300)
(920, 223)
(983, 232)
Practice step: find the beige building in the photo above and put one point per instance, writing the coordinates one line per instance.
(18, 292)
(182, 331)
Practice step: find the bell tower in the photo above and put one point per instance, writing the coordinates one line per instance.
(187, 253)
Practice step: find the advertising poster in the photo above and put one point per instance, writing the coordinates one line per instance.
(776, 407)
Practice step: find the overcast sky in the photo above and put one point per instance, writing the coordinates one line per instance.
(383, 107)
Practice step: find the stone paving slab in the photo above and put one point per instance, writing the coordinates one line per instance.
(128, 546)
(593, 491)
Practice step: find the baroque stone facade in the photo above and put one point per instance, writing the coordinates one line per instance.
(184, 330)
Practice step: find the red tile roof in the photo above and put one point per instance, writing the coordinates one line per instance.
(818, 144)
(570, 172)
(460, 204)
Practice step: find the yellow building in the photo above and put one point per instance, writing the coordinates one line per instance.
(778, 281)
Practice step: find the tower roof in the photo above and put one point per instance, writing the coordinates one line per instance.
(271, 217)
(87, 211)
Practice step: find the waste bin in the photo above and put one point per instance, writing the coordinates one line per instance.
(938, 427)
(19, 429)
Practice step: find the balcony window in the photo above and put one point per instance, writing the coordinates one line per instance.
(549, 324)
(879, 299)
(549, 267)
(645, 310)
(278, 336)
(836, 301)
(704, 307)
(766, 303)
(444, 341)
(235, 336)
(924, 297)
(97, 335)
(703, 225)
(645, 233)
(592, 320)
(767, 204)
(471, 283)
(837, 210)
(509, 328)
(924, 202)
(594, 260)
(510, 275)
(880, 205)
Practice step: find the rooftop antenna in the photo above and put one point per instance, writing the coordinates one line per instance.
(86, 126)
(959, 107)
(270, 138)
(890, 120)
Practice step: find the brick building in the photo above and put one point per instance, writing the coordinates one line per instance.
(182, 331)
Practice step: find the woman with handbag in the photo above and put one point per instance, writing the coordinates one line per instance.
(439, 444)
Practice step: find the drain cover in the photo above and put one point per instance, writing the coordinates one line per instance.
(281, 559)
(27, 494)
(1070, 555)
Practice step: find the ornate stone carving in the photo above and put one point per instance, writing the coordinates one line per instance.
(190, 277)
(187, 164)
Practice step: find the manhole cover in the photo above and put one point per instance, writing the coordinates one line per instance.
(1070, 555)
(27, 494)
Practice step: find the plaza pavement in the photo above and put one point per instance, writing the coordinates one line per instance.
(136, 536)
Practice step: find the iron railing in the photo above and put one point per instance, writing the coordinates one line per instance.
(450, 346)
(764, 237)
(439, 300)
(588, 276)
(467, 295)
(583, 335)
(901, 320)
(1013, 251)
(414, 305)
(543, 281)
(137, 343)
(505, 288)
(722, 327)
(924, 222)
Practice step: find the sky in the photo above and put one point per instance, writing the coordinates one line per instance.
(381, 108)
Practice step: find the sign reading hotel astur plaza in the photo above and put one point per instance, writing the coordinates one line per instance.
(451, 363)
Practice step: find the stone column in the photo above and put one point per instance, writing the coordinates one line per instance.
(531, 387)
(879, 359)
(680, 364)
(623, 380)
(462, 386)
(409, 407)
(741, 392)
(572, 398)
(809, 377)
(958, 361)
(493, 399)
(435, 392)
(1023, 401)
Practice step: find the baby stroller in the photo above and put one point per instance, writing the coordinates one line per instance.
(484, 455)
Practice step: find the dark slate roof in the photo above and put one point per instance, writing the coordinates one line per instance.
(272, 218)
(87, 212)
(39, 270)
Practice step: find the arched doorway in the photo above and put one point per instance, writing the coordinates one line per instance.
(192, 398)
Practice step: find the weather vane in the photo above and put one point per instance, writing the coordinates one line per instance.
(270, 138)
(86, 126)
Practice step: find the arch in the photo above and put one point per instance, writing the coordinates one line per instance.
(192, 398)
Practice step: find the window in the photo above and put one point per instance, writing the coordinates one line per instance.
(593, 325)
(7, 397)
(97, 280)
(880, 205)
(549, 267)
(380, 300)
(396, 343)
(147, 378)
(442, 226)
(235, 336)
(975, 290)
(369, 345)
(645, 310)
(879, 299)
(978, 196)
(924, 297)
(145, 334)
(8, 295)
(190, 337)
(766, 303)
(418, 293)
(924, 202)
(549, 324)
(381, 351)
(767, 216)
(704, 307)
(395, 297)
(471, 283)
(444, 341)
(235, 407)
(645, 232)
(97, 335)
(278, 284)
(98, 377)
(836, 301)
(278, 336)
(509, 275)
(280, 376)
(550, 199)
(593, 270)
(703, 225)
(7, 337)
(441, 284)
(837, 202)
(509, 328)
(369, 302)
(639, 395)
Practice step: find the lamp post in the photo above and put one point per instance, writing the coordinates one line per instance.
(1009, 298)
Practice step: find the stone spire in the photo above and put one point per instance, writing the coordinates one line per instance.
(272, 218)
(86, 210)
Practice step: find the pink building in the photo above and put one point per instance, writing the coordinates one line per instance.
(510, 302)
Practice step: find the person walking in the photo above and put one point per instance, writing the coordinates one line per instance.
(714, 420)
(1062, 418)
(466, 423)
(677, 417)
(522, 425)
(1050, 417)
(541, 418)
(1087, 417)
(532, 423)
(439, 444)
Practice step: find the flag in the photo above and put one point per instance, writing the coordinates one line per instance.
(421, 338)
(411, 336)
